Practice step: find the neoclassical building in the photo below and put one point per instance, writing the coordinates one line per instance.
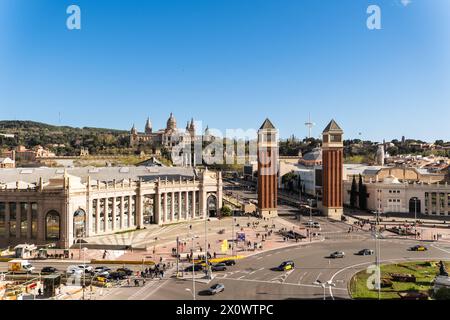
(167, 137)
(401, 190)
(58, 206)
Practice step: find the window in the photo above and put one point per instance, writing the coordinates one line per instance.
(335, 138)
(118, 206)
(442, 203)
(2, 219)
(126, 211)
(197, 203)
(12, 219)
(94, 215)
(102, 214)
(24, 219)
(110, 213)
(52, 226)
(34, 220)
(79, 224)
(133, 210)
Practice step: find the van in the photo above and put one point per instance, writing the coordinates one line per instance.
(20, 266)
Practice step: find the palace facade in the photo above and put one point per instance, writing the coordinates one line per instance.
(168, 137)
(60, 206)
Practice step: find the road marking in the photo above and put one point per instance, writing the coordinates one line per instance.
(285, 284)
(301, 277)
(256, 271)
(439, 248)
(317, 279)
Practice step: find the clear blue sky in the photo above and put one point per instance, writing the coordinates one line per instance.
(231, 64)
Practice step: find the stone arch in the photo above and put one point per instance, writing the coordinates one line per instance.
(79, 223)
(211, 206)
(53, 225)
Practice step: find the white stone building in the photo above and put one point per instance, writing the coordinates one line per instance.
(57, 206)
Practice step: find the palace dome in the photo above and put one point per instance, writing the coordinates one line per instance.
(171, 123)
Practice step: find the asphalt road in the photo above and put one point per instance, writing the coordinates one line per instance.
(254, 279)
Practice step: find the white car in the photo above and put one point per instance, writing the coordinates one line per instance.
(86, 268)
(74, 270)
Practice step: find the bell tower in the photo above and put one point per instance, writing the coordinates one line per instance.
(267, 170)
(333, 167)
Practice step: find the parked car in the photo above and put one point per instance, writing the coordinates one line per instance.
(418, 248)
(285, 266)
(219, 267)
(116, 276)
(366, 252)
(74, 270)
(86, 268)
(215, 289)
(102, 271)
(126, 271)
(48, 270)
(230, 263)
(337, 255)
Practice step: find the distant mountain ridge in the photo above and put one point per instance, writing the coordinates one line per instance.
(7, 126)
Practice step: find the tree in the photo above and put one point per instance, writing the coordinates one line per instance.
(353, 193)
(362, 194)
(225, 211)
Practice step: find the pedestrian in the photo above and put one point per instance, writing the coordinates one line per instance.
(71, 256)
(40, 292)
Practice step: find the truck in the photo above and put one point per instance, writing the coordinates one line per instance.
(20, 266)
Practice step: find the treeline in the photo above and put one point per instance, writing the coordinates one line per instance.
(64, 140)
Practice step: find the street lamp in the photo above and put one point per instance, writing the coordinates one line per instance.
(324, 286)
(377, 256)
(193, 270)
(415, 217)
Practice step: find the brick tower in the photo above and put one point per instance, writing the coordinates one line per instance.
(333, 166)
(267, 170)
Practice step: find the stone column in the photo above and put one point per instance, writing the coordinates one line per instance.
(114, 213)
(172, 214)
(7, 220)
(186, 205)
(157, 208)
(30, 221)
(165, 208)
(18, 219)
(130, 210)
(97, 217)
(122, 209)
(180, 207)
(41, 224)
(106, 214)
(139, 208)
(202, 204)
(193, 204)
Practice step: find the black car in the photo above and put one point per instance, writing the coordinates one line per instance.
(48, 270)
(230, 263)
(197, 267)
(126, 271)
(366, 252)
(219, 267)
(117, 276)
